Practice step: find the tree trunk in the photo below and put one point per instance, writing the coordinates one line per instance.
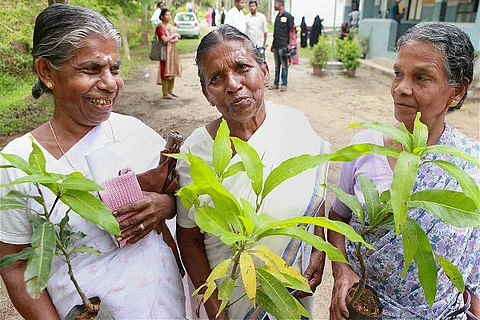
(123, 32)
(146, 25)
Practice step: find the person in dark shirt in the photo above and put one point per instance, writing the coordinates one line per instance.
(282, 33)
(395, 12)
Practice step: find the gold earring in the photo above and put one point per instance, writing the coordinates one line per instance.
(49, 85)
(453, 103)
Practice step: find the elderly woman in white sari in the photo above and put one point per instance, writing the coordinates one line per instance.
(76, 57)
(233, 77)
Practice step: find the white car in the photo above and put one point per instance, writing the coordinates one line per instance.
(186, 24)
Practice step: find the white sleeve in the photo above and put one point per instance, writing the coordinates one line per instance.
(14, 225)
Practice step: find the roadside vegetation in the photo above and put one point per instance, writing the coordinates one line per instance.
(19, 112)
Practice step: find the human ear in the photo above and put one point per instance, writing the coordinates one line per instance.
(459, 92)
(44, 72)
(266, 72)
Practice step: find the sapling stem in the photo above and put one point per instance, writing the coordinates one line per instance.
(43, 203)
(362, 282)
(85, 301)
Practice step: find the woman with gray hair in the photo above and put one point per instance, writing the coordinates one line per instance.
(76, 58)
(233, 76)
(433, 72)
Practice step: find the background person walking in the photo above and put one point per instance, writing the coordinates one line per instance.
(256, 23)
(282, 33)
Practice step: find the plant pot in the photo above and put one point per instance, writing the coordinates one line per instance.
(79, 312)
(351, 73)
(317, 70)
(366, 307)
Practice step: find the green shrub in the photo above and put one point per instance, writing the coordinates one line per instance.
(321, 52)
(350, 54)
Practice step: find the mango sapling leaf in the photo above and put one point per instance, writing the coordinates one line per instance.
(354, 151)
(18, 194)
(40, 262)
(9, 204)
(233, 170)
(211, 220)
(350, 201)
(222, 150)
(188, 196)
(452, 273)
(332, 252)
(92, 209)
(225, 292)
(453, 207)
(37, 159)
(76, 181)
(290, 168)
(86, 249)
(404, 129)
(18, 162)
(420, 133)
(249, 279)
(394, 133)
(371, 197)
(467, 183)
(206, 182)
(451, 151)
(404, 177)
(46, 241)
(252, 163)
(281, 298)
(336, 226)
(230, 238)
(37, 178)
(11, 258)
(424, 259)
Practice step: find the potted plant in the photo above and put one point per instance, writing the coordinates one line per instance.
(265, 284)
(321, 53)
(51, 239)
(349, 55)
(389, 210)
(263, 275)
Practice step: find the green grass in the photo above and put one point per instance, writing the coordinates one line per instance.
(19, 112)
(305, 53)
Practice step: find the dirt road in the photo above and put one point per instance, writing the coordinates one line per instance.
(331, 103)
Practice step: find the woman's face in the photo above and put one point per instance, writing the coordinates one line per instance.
(166, 17)
(420, 85)
(86, 87)
(235, 82)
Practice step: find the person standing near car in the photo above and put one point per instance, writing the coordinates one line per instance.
(171, 67)
(235, 16)
(256, 24)
(282, 33)
(156, 14)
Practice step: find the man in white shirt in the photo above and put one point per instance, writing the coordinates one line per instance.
(235, 16)
(156, 14)
(256, 24)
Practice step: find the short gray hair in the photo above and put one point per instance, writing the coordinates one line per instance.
(218, 36)
(454, 44)
(61, 29)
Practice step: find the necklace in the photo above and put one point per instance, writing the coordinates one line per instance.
(59, 145)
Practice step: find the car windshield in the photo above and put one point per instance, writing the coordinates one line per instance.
(185, 17)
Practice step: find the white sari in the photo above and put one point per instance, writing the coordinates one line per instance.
(137, 281)
(285, 133)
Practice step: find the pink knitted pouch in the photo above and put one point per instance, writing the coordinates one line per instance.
(119, 191)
